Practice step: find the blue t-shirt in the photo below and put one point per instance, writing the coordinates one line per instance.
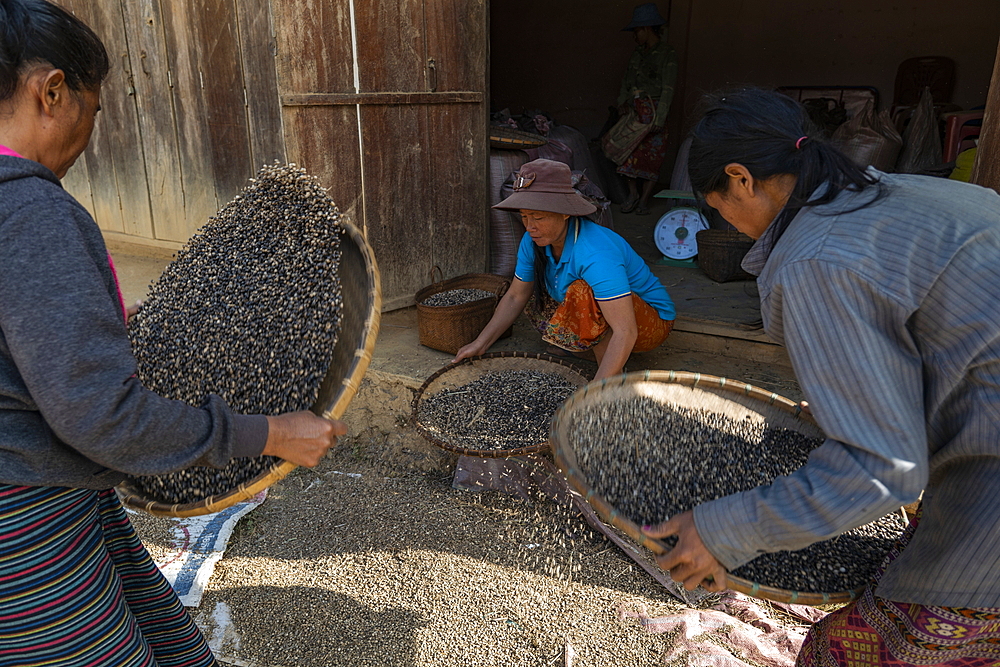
(603, 259)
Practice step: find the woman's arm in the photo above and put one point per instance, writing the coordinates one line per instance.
(63, 332)
(620, 315)
(863, 376)
(508, 309)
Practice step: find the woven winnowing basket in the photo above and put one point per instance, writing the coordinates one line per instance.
(349, 359)
(472, 368)
(737, 400)
(448, 328)
(509, 138)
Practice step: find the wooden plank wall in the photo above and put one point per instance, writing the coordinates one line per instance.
(986, 170)
(398, 134)
(314, 53)
(190, 111)
(458, 42)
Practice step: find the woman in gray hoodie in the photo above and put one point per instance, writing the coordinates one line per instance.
(76, 585)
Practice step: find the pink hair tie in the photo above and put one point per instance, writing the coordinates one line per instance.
(798, 144)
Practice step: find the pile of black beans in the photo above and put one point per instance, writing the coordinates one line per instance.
(249, 310)
(652, 460)
(499, 410)
(456, 297)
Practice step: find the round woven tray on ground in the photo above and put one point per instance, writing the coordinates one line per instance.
(448, 328)
(693, 390)
(468, 370)
(509, 138)
(349, 359)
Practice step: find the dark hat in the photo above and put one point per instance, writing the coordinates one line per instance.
(546, 185)
(645, 15)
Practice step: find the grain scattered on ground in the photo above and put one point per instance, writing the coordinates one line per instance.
(400, 569)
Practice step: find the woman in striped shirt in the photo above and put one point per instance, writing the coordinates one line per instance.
(883, 288)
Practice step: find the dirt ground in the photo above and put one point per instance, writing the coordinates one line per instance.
(386, 567)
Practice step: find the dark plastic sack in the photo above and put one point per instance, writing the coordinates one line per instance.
(869, 139)
(921, 139)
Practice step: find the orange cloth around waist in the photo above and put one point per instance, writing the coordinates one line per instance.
(577, 324)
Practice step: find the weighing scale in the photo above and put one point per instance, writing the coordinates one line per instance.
(675, 231)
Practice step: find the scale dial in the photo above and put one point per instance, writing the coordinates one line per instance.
(675, 232)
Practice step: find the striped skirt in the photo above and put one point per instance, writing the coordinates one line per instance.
(78, 588)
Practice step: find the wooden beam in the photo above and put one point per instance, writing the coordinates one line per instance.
(986, 170)
(384, 99)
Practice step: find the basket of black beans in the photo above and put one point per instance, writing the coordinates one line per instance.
(452, 312)
(495, 405)
(274, 306)
(647, 446)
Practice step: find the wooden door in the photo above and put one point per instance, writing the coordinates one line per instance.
(189, 112)
(385, 101)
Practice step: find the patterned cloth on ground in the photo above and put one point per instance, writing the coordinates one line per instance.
(78, 588)
(647, 158)
(577, 323)
(875, 631)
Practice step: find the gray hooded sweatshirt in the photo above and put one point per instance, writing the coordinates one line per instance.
(72, 412)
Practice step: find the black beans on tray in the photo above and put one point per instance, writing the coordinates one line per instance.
(249, 310)
(506, 409)
(652, 460)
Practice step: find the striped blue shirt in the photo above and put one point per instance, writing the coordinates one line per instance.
(601, 258)
(891, 317)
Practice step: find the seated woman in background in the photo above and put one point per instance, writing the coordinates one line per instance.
(648, 88)
(582, 285)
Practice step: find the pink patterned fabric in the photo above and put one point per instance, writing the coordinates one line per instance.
(873, 631)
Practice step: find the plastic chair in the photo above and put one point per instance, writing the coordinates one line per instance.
(960, 127)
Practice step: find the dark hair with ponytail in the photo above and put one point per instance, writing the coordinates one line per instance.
(36, 32)
(770, 134)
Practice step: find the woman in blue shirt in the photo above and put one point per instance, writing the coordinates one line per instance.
(595, 292)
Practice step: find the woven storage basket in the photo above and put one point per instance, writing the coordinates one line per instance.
(470, 369)
(720, 252)
(693, 390)
(448, 328)
(349, 360)
(509, 138)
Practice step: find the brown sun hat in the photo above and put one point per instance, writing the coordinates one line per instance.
(546, 185)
